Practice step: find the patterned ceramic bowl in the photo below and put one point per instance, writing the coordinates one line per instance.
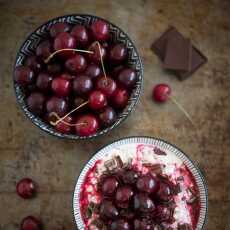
(29, 47)
(130, 145)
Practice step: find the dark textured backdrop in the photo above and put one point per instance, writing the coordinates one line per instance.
(54, 164)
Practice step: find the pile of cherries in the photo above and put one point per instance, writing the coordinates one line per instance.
(132, 200)
(58, 79)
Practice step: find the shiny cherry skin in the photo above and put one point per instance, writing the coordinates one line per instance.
(100, 30)
(31, 223)
(120, 224)
(26, 188)
(106, 85)
(63, 127)
(58, 28)
(23, 75)
(108, 210)
(164, 193)
(44, 81)
(120, 98)
(127, 77)
(65, 41)
(109, 186)
(130, 177)
(54, 68)
(147, 184)
(82, 85)
(97, 100)
(95, 56)
(34, 63)
(163, 213)
(118, 53)
(61, 86)
(44, 49)
(57, 105)
(107, 116)
(35, 103)
(161, 92)
(93, 71)
(124, 194)
(81, 35)
(143, 225)
(86, 125)
(143, 203)
(76, 64)
(67, 76)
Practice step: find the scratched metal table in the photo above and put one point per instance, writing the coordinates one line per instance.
(55, 164)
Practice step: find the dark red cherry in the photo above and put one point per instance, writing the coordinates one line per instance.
(54, 68)
(97, 100)
(120, 224)
(61, 86)
(67, 76)
(120, 98)
(147, 184)
(143, 203)
(26, 188)
(81, 35)
(93, 71)
(163, 213)
(57, 105)
(143, 224)
(76, 64)
(95, 56)
(106, 85)
(116, 71)
(161, 92)
(124, 194)
(31, 223)
(34, 63)
(23, 75)
(109, 186)
(118, 53)
(127, 77)
(44, 81)
(58, 28)
(86, 125)
(63, 126)
(44, 49)
(100, 30)
(129, 177)
(35, 103)
(164, 193)
(65, 41)
(108, 210)
(107, 116)
(82, 85)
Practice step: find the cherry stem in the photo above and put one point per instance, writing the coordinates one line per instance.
(182, 109)
(102, 62)
(60, 119)
(61, 50)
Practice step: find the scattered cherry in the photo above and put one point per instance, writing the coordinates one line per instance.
(44, 49)
(82, 85)
(93, 71)
(58, 28)
(107, 116)
(106, 85)
(161, 92)
(120, 98)
(23, 75)
(118, 53)
(76, 64)
(109, 186)
(26, 188)
(35, 103)
(127, 77)
(61, 86)
(86, 125)
(95, 56)
(31, 223)
(44, 81)
(57, 105)
(100, 30)
(97, 100)
(81, 35)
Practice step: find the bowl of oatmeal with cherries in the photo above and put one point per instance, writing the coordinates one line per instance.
(140, 183)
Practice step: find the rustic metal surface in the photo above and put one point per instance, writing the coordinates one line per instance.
(54, 164)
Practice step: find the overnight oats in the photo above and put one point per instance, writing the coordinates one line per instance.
(139, 187)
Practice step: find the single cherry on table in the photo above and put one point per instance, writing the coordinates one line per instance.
(31, 223)
(26, 188)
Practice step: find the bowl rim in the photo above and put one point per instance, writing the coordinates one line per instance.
(194, 164)
(130, 107)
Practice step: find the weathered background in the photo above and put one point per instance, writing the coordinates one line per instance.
(55, 164)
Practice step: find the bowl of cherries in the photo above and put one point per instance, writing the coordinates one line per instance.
(78, 76)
